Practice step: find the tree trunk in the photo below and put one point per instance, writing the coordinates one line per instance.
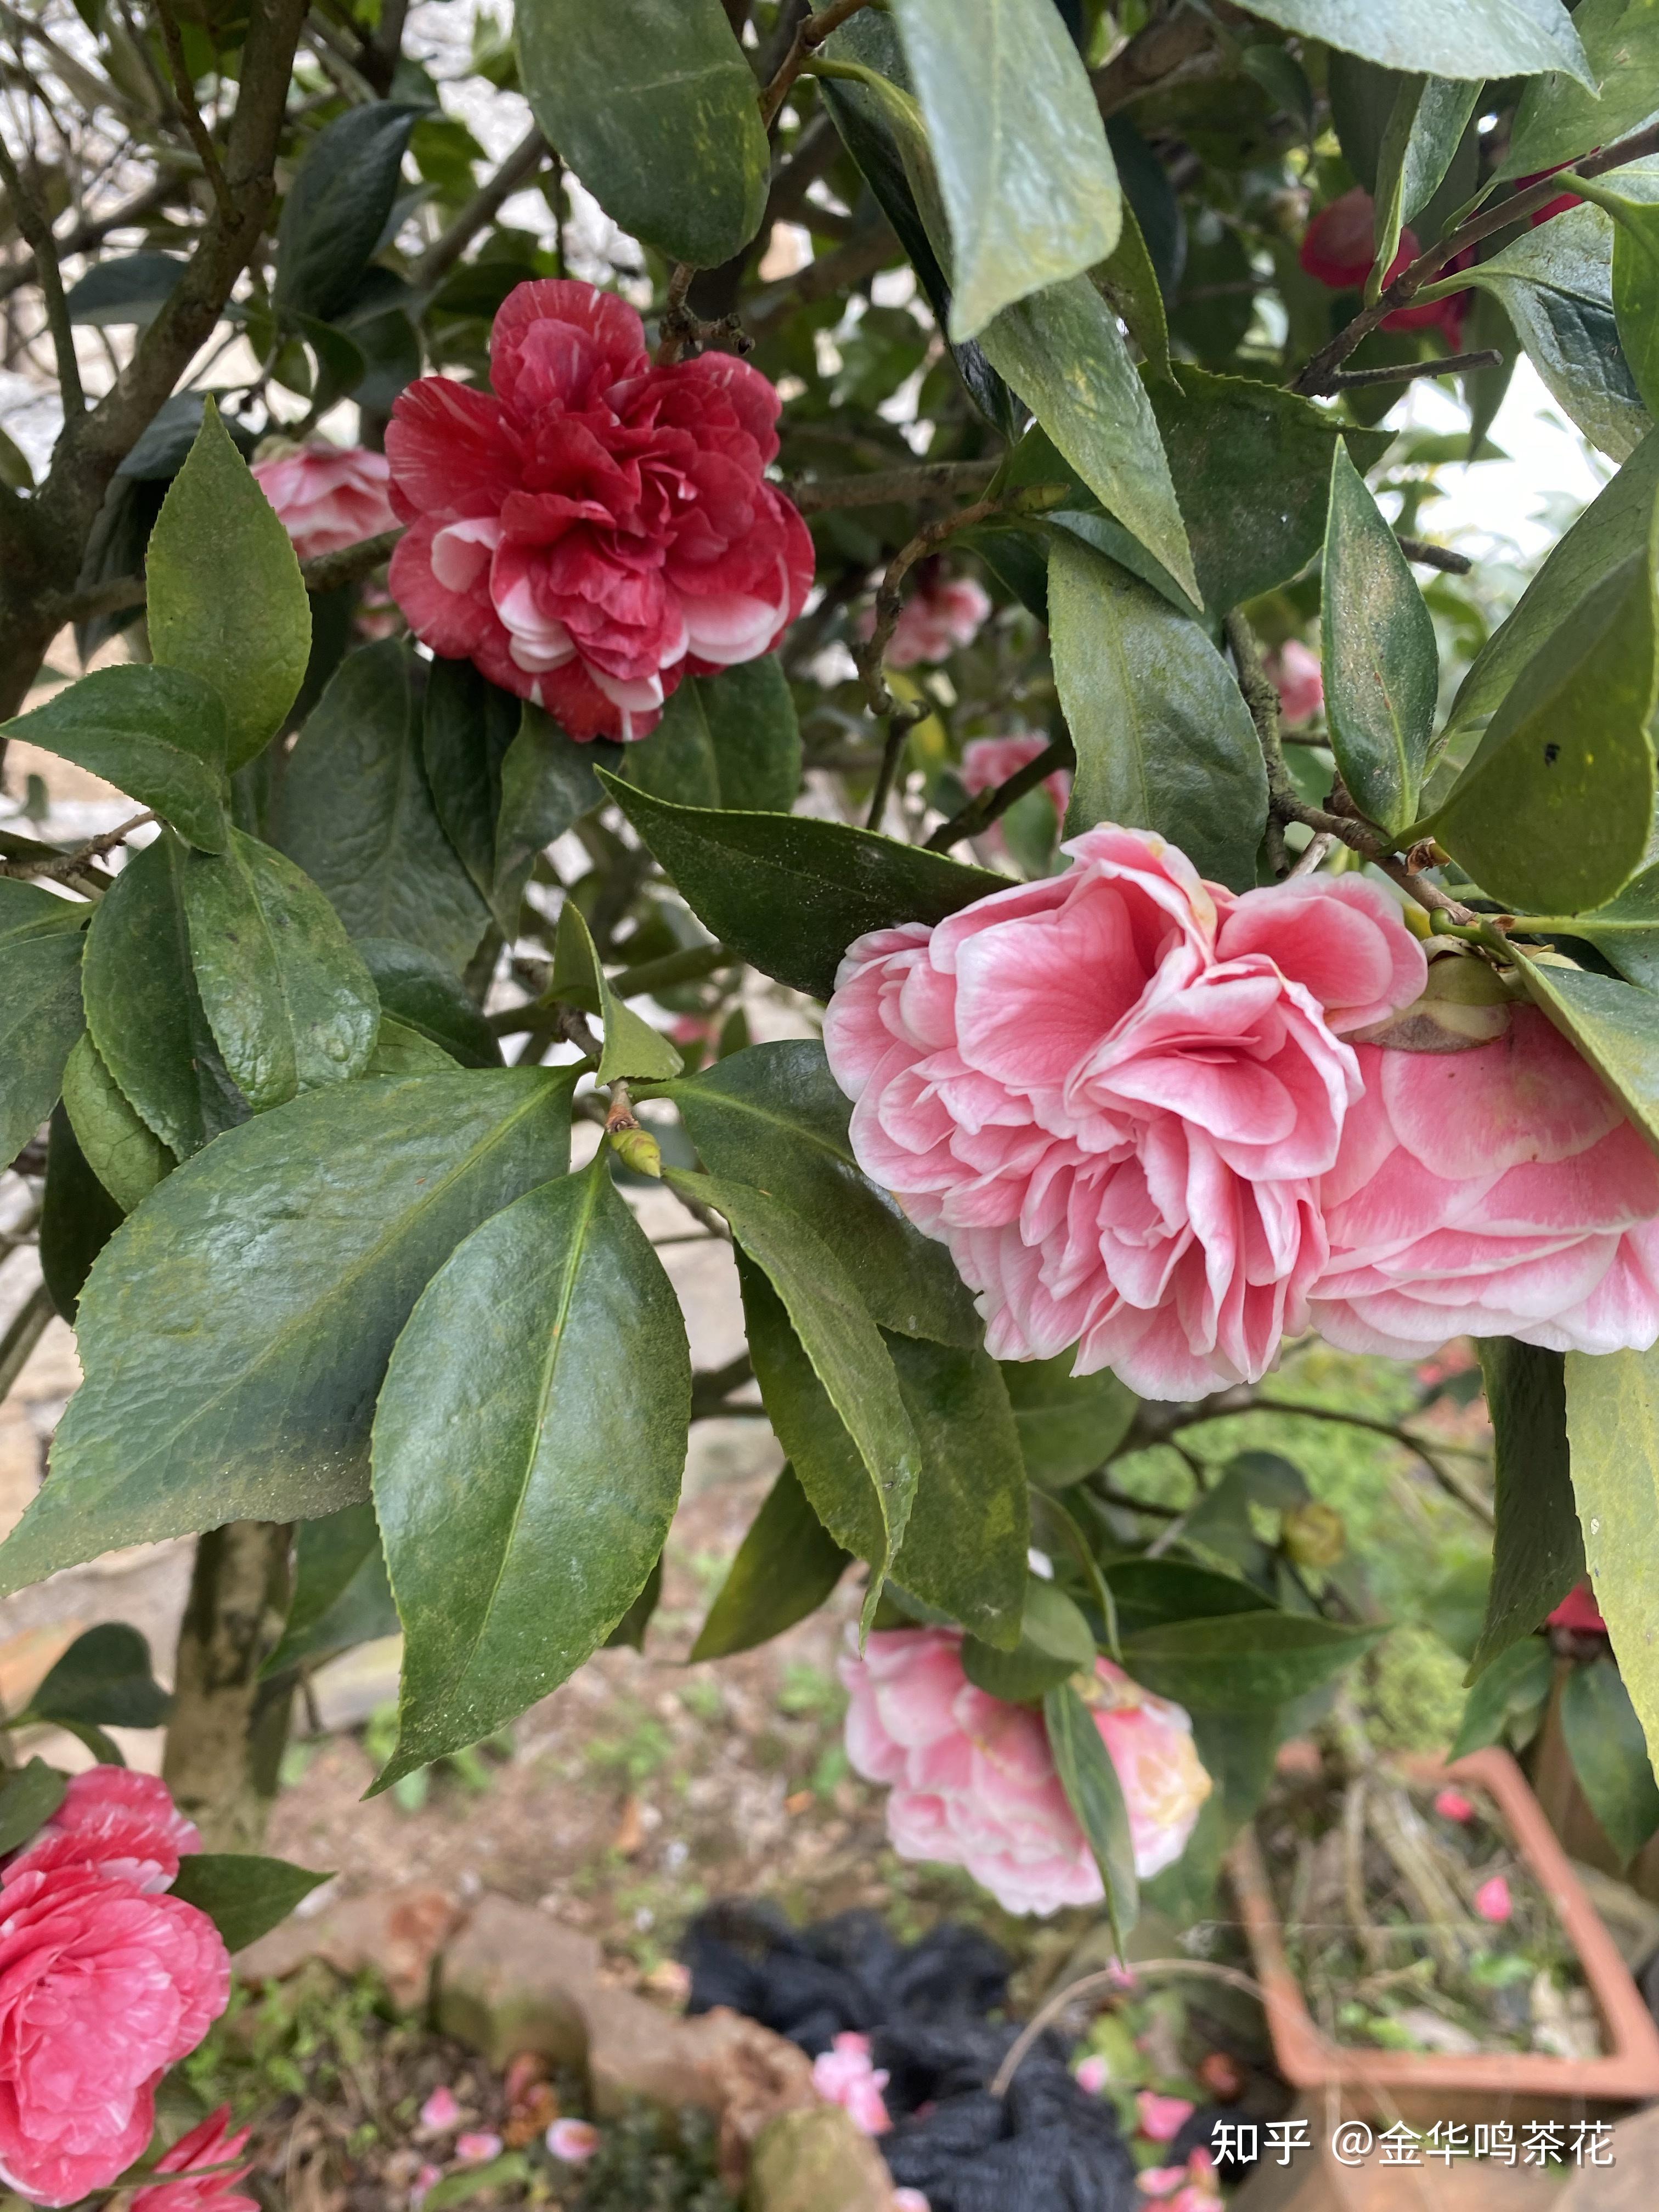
(225, 1739)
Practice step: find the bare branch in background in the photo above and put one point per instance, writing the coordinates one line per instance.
(33, 222)
(518, 169)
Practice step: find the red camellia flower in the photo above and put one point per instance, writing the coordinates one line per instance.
(210, 2145)
(1337, 249)
(599, 527)
(327, 497)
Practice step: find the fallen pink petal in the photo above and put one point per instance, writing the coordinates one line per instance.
(477, 2148)
(441, 2109)
(572, 2141)
(1453, 1805)
(1161, 2118)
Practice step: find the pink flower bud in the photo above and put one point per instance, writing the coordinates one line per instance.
(477, 2148)
(572, 2141)
(1453, 1805)
(441, 2110)
(1492, 1900)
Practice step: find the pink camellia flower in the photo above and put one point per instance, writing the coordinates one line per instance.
(211, 2144)
(478, 2147)
(1579, 1614)
(102, 1988)
(328, 496)
(1453, 1805)
(599, 527)
(843, 2075)
(1092, 2074)
(1113, 1094)
(1161, 2119)
(423, 2184)
(910, 2200)
(121, 1824)
(1492, 1900)
(572, 2141)
(937, 618)
(988, 762)
(1499, 1190)
(441, 2109)
(974, 1782)
(1299, 676)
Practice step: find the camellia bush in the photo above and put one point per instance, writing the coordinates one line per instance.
(890, 540)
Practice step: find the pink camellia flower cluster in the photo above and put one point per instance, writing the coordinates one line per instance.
(328, 497)
(202, 2171)
(598, 527)
(1151, 1119)
(974, 1782)
(988, 762)
(941, 614)
(105, 1983)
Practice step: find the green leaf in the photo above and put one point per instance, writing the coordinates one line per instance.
(78, 1217)
(1068, 1425)
(41, 1019)
(104, 1678)
(1613, 1428)
(1635, 275)
(242, 1894)
(400, 1050)
(1552, 813)
(126, 1156)
(1164, 739)
(790, 892)
(1611, 534)
(528, 1446)
(1425, 129)
(341, 1594)
(124, 293)
(725, 740)
(421, 992)
(773, 1116)
(1095, 1796)
(466, 2182)
(1511, 1693)
(29, 1796)
(629, 1633)
(288, 1000)
(1024, 171)
(1252, 469)
(1149, 1593)
(1054, 1642)
(27, 911)
(1062, 352)
(227, 604)
(1130, 284)
(467, 725)
(1609, 1755)
(1476, 38)
(1555, 284)
(156, 734)
(354, 812)
(653, 105)
(786, 1567)
(232, 1374)
(1626, 931)
(810, 1338)
(144, 1011)
(1382, 666)
(337, 206)
(1614, 1025)
(632, 1046)
(1237, 1662)
(1558, 117)
(547, 782)
(1538, 1555)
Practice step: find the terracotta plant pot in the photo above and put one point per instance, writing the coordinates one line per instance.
(1424, 2086)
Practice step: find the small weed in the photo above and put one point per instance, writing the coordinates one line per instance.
(807, 1692)
(703, 1698)
(643, 1752)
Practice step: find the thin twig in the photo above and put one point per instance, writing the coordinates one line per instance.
(64, 867)
(810, 35)
(987, 806)
(1112, 1977)
(92, 231)
(1408, 372)
(1313, 855)
(881, 486)
(517, 169)
(33, 222)
(189, 114)
(1429, 555)
(1452, 1484)
(324, 572)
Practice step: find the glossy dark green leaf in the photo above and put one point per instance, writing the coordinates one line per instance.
(337, 207)
(773, 1116)
(27, 910)
(144, 1011)
(1252, 469)
(653, 105)
(725, 740)
(1148, 1593)
(1616, 1027)
(418, 990)
(1511, 1693)
(786, 1567)
(631, 1047)
(528, 1445)
(243, 1894)
(1068, 1425)
(400, 1050)
(1095, 1796)
(1053, 1641)
(1237, 1662)
(1023, 169)
(1635, 274)
(629, 1633)
(467, 725)
(1476, 38)
(1382, 665)
(40, 1018)
(1558, 117)
(547, 782)
(156, 734)
(121, 1149)
(1609, 1755)
(126, 292)
(1130, 284)
(78, 1217)
(1538, 1555)
(231, 1373)
(1164, 739)
(356, 814)
(791, 893)
(29, 1796)
(1552, 813)
(1423, 132)
(105, 1677)
(342, 1595)
(1612, 1429)
(287, 996)
(1626, 931)
(227, 604)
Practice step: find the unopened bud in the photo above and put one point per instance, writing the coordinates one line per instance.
(636, 1148)
(1315, 1535)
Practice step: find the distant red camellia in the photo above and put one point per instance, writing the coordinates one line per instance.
(598, 527)
(1336, 249)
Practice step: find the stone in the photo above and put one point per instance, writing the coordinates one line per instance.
(513, 1980)
(816, 2160)
(399, 1932)
(716, 2062)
